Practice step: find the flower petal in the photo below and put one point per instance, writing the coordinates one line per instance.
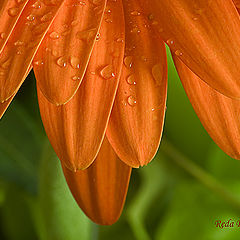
(18, 53)
(4, 106)
(136, 122)
(205, 34)
(66, 50)
(218, 113)
(76, 129)
(10, 11)
(101, 189)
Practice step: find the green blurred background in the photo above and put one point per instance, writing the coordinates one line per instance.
(188, 187)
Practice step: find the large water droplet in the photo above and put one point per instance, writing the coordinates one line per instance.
(75, 62)
(128, 61)
(107, 72)
(131, 80)
(61, 62)
(13, 11)
(86, 35)
(132, 101)
(157, 72)
(54, 35)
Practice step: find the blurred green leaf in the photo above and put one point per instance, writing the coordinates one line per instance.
(223, 166)
(17, 222)
(20, 148)
(182, 126)
(62, 218)
(193, 214)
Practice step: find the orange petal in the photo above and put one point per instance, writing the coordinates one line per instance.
(205, 35)
(136, 122)
(237, 5)
(76, 129)
(4, 106)
(66, 49)
(101, 189)
(10, 11)
(19, 51)
(218, 113)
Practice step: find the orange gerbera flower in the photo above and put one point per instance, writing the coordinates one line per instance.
(101, 76)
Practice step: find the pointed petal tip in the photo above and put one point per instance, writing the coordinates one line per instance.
(218, 113)
(101, 189)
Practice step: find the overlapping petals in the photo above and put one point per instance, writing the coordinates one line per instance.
(101, 189)
(101, 76)
(18, 52)
(137, 118)
(218, 113)
(205, 35)
(62, 59)
(76, 129)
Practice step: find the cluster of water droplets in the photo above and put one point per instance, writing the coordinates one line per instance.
(85, 37)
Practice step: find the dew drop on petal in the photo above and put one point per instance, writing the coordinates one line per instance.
(54, 35)
(178, 53)
(75, 62)
(38, 63)
(13, 12)
(107, 72)
(131, 101)
(131, 80)
(61, 62)
(157, 72)
(75, 78)
(128, 61)
(170, 42)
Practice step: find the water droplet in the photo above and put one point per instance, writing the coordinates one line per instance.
(131, 80)
(75, 78)
(54, 35)
(38, 63)
(74, 22)
(61, 62)
(19, 43)
(128, 61)
(135, 30)
(47, 17)
(178, 53)
(31, 17)
(157, 72)
(150, 17)
(170, 42)
(135, 13)
(13, 11)
(120, 40)
(86, 35)
(2, 35)
(108, 20)
(75, 62)
(107, 72)
(131, 101)
(36, 5)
